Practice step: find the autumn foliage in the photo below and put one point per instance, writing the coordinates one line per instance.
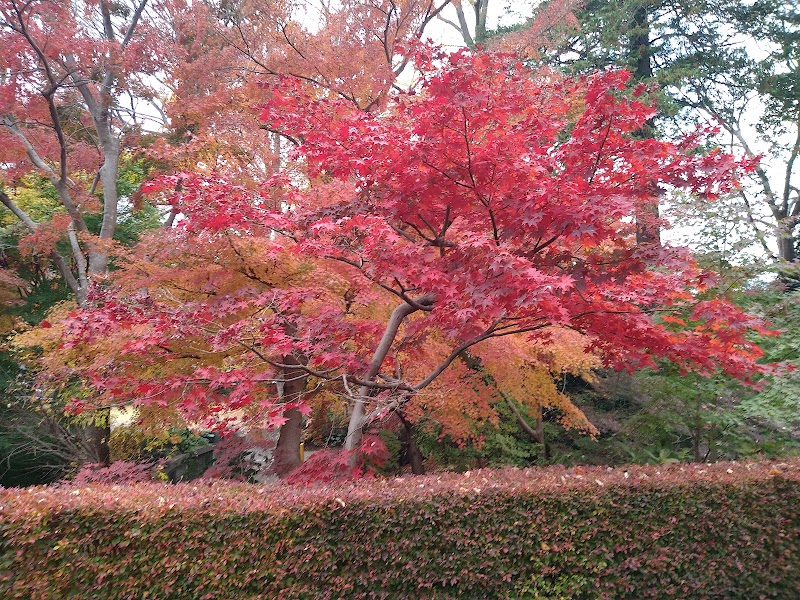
(683, 531)
(488, 216)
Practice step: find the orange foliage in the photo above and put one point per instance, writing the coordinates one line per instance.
(463, 399)
(526, 371)
(459, 402)
(554, 21)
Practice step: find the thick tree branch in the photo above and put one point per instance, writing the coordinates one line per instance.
(48, 94)
(407, 396)
(523, 423)
(18, 212)
(787, 183)
(134, 22)
(80, 260)
(463, 27)
(69, 277)
(37, 160)
(400, 313)
(760, 235)
(58, 183)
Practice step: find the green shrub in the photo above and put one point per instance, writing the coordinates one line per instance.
(729, 530)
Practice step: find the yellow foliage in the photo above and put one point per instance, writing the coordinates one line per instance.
(37, 206)
(459, 401)
(525, 370)
(463, 399)
(46, 338)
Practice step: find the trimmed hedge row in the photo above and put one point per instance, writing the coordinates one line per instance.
(730, 530)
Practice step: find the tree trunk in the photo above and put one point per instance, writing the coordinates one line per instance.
(481, 8)
(98, 258)
(97, 437)
(789, 269)
(713, 450)
(413, 453)
(540, 433)
(639, 56)
(356, 424)
(696, 432)
(786, 244)
(287, 450)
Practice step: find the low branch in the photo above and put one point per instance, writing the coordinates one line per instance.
(18, 212)
(333, 374)
(523, 423)
(80, 260)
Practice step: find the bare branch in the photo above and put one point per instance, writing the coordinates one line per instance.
(293, 140)
(489, 332)
(760, 235)
(134, 22)
(463, 27)
(37, 160)
(80, 260)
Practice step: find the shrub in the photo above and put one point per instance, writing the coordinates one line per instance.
(117, 473)
(729, 530)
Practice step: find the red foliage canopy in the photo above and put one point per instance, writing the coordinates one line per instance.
(493, 202)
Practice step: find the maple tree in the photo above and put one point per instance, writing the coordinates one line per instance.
(494, 203)
(455, 220)
(84, 84)
(351, 50)
(224, 52)
(66, 72)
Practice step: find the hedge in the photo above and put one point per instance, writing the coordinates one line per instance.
(729, 530)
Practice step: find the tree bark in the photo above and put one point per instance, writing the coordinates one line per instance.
(639, 55)
(412, 450)
(97, 436)
(355, 426)
(523, 423)
(287, 451)
(540, 433)
(536, 433)
(786, 244)
(696, 433)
